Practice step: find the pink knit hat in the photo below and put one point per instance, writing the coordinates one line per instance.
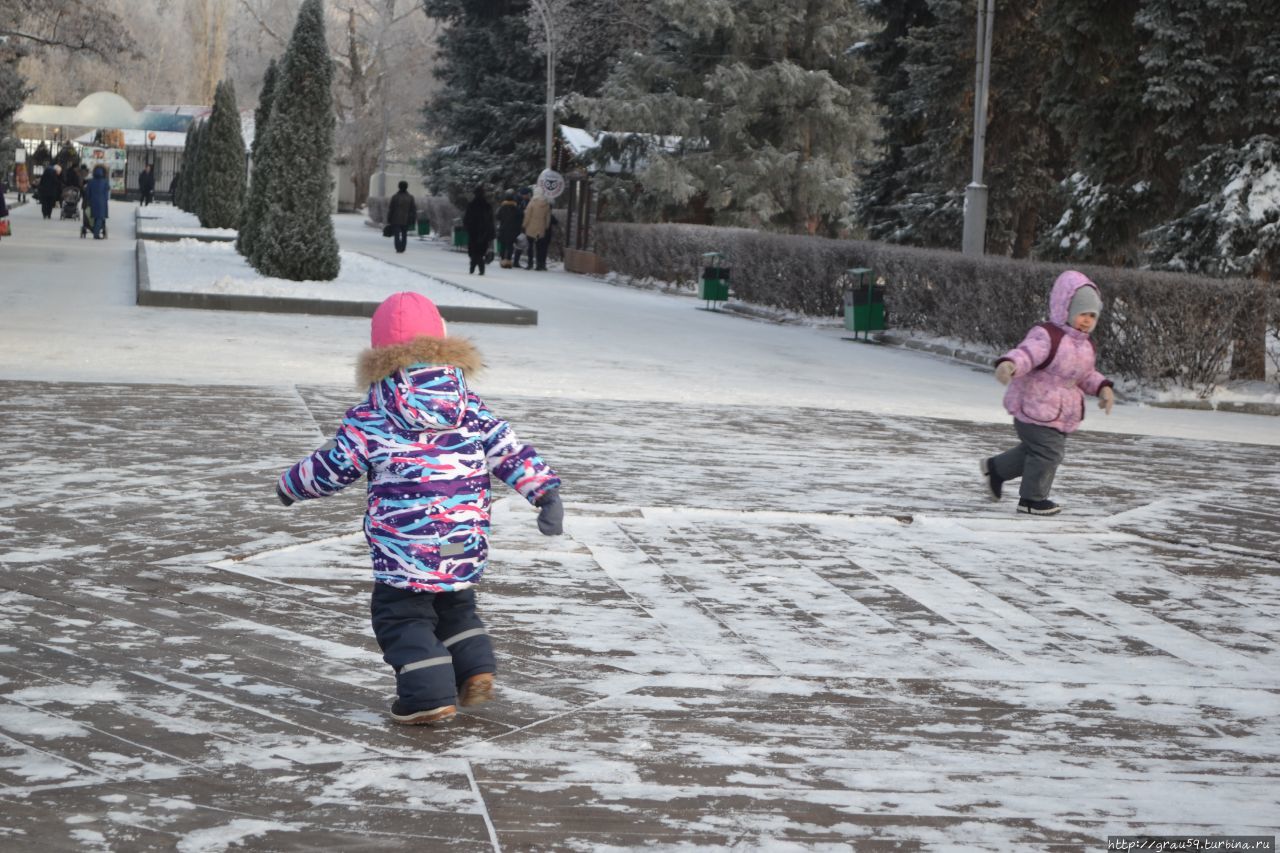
(403, 317)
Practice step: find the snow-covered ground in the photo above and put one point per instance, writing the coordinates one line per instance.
(592, 341)
(783, 617)
(194, 266)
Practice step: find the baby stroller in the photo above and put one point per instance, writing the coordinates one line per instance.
(70, 201)
(86, 222)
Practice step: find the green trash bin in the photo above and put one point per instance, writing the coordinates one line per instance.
(459, 236)
(863, 303)
(424, 227)
(714, 285)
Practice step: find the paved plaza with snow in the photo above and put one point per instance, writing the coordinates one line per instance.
(783, 616)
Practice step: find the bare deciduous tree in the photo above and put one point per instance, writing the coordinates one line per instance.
(76, 25)
(384, 59)
(207, 23)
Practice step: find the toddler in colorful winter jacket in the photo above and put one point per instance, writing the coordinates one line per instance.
(1048, 375)
(427, 444)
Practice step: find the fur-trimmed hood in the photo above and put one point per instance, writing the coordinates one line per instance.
(376, 364)
(421, 384)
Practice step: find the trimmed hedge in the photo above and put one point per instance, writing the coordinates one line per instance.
(1157, 327)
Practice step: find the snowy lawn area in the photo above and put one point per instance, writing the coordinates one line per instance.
(194, 266)
(165, 220)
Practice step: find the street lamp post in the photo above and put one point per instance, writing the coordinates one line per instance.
(975, 195)
(544, 11)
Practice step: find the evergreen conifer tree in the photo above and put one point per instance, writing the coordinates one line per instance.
(1212, 68)
(922, 201)
(251, 210)
(770, 106)
(192, 177)
(223, 162)
(903, 117)
(184, 168)
(1120, 177)
(489, 111)
(12, 95)
(295, 239)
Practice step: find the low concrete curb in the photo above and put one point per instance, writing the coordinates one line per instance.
(516, 315)
(169, 237)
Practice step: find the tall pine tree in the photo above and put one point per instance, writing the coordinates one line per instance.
(930, 143)
(192, 170)
(255, 195)
(488, 116)
(903, 115)
(223, 162)
(769, 105)
(1212, 72)
(1120, 178)
(295, 239)
(1213, 78)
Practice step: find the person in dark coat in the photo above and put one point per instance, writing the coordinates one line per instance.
(478, 220)
(72, 178)
(147, 185)
(509, 219)
(97, 194)
(50, 189)
(402, 214)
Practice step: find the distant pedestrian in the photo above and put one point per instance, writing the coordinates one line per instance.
(147, 185)
(537, 224)
(509, 223)
(1048, 375)
(428, 445)
(478, 222)
(21, 181)
(75, 178)
(49, 190)
(4, 214)
(97, 194)
(402, 214)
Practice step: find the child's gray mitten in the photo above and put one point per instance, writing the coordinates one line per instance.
(550, 514)
(284, 499)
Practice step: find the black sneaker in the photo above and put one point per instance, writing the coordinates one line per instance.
(1045, 507)
(995, 486)
(425, 717)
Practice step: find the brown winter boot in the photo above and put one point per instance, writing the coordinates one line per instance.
(476, 690)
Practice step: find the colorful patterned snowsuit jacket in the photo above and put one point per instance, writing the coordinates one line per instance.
(1053, 396)
(428, 445)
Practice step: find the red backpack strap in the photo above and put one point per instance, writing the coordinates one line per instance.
(1055, 338)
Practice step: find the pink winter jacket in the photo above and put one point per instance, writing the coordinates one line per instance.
(1053, 396)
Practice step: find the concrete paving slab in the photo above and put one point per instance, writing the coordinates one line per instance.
(751, 638)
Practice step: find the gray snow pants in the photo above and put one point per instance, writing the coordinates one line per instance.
(1035, 460)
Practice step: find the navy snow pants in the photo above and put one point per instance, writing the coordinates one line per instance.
(435, 641)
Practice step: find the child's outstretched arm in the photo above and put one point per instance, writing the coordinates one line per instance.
(519, 466)
(338, 464)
